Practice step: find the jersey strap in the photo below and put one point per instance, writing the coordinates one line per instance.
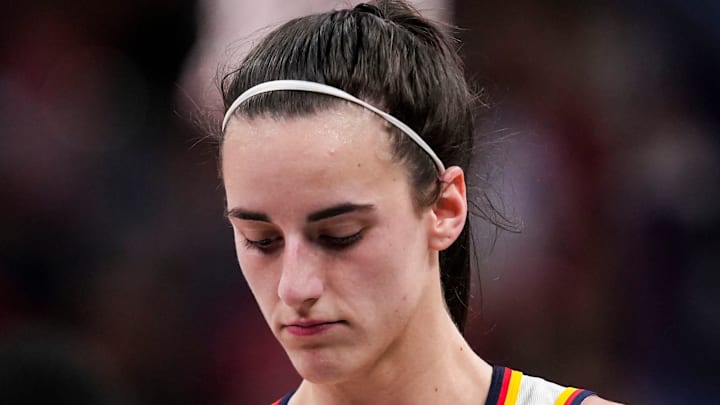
(572, 396)
(511, 387)
(504, 386)
(284, 400)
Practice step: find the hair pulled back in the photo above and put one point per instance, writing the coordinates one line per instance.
(386, 53)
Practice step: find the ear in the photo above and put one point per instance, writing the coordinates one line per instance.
(449, 211)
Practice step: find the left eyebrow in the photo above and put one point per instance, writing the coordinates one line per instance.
(247, 215)
(338, 210)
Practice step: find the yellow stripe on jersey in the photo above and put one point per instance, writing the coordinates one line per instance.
(513, 388)
(565, 395)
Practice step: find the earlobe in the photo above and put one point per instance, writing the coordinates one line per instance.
(449, 211)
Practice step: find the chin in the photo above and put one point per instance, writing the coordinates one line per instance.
(321, 368)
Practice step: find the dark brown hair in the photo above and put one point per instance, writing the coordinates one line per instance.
(387, 54)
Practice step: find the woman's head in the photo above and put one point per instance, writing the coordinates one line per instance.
(389, 56)
(342, 264)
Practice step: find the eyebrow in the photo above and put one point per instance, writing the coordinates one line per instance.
(324, 213)
(338, 210)
(247, 215)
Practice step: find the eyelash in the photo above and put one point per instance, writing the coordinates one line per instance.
(264, 245)
(331, 242)
(342, 242)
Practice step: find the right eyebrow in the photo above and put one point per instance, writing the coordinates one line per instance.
(240, 213)
(338, 210)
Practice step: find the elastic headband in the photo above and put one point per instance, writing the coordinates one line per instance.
(313, 87)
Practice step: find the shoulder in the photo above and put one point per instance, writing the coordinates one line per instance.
(595, 400)
(514, 387)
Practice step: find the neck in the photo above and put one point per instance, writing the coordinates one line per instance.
(432, 364)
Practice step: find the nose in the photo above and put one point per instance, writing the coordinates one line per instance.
(301, 281)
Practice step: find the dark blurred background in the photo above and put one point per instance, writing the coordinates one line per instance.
(118, 282)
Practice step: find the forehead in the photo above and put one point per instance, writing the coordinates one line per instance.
(339, 154)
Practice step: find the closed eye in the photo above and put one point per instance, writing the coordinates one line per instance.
(266, 245)
(270, 245)
(340, 242)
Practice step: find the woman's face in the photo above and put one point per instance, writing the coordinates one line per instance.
(328, 238)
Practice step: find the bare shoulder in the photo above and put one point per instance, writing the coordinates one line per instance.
(595, 400)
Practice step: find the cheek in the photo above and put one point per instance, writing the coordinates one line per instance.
(264, 289)
(388, 275)
(260, 277)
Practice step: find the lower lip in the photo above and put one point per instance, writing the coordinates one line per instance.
(310, 330)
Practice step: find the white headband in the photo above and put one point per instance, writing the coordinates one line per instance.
(300, 85)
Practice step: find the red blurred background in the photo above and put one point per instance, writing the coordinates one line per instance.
(117, 277)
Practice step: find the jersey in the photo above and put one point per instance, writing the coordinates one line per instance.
(511, 387)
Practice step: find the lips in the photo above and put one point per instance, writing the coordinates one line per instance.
(311, 327)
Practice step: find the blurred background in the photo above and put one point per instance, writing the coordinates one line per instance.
(118, 282)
